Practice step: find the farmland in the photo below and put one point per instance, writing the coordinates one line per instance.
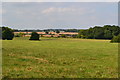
(59, 58)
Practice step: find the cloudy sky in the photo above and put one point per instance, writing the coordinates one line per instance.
(47, 15)
(59, 0)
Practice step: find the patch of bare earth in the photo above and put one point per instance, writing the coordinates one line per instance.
(40, 60)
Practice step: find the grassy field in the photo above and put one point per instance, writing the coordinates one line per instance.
(60, 58)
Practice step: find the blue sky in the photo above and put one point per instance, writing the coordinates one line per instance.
(55, 15)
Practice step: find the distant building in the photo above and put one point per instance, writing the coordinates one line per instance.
(50, 34)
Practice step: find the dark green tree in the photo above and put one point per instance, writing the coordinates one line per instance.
(83, 33)
(19, 34)
(115, 30)
(57, 31)
(90, 33)
(108, 34)
(63, 36)
(34, 36)
(98, 32)
(7, 33)
(116, 39)
(46, 32)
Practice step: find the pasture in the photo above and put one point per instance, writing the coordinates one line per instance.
(59, 58)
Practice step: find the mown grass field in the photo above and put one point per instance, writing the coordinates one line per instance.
(60, 58)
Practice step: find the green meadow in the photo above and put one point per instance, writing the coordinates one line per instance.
(59, 58)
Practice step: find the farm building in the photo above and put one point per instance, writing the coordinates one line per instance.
(50, 34)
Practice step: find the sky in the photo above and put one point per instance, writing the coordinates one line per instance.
(58, 15)
(59, 0)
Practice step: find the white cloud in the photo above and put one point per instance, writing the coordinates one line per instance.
(67, 11)
(60, 0)
(58, 15)
(59, 10)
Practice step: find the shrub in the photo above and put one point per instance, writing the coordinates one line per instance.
(20, 35)
(116, 39)
(74, 36)
(46, 32)
(63, 36)
(7, 33)
(52, 36)
(16, 35)
(57, 31)
(34, 36)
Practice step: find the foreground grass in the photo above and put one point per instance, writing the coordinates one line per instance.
(59, 58)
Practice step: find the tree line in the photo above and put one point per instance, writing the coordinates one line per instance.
(111, 32)
(97, 32)
(47, 30)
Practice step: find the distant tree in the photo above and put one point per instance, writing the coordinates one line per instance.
(98, 32)
(108, 34)
(57, 31)
(52, 36)
(7, 33)
(75, 36)
(63, 36)
(46, 32)
(114, 29)
(78, 36)
(90, 33)
(26, 31)
(116, 39)
(20, 34)
(71, 30)
(34, 36)
(83, 33)
(17, 35)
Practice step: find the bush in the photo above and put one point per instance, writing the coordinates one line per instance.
(20, 35)
(116, 39)
(16, 35)
(7, 33)
(34, 36)
(63, 36)
(74, 36)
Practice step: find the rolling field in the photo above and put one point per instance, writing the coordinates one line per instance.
(60, 58)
